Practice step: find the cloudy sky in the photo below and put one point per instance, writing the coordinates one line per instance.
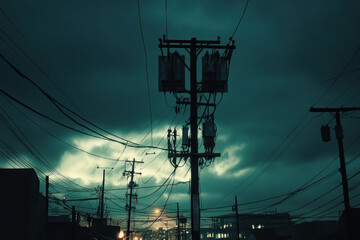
(89, 56)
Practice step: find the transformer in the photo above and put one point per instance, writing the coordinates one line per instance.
(209, 135)
(325, 133)
(185, 136)
(172, 73)
(215, 73)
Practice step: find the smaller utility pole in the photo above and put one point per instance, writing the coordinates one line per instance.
(102, 201)
(73, 223)
(131, 186)
(102, 195)
(339, 136)
(235, 208)
(47, 199)
(178, 221)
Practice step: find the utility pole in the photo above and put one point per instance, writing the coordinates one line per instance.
(235, 208)
(102, 194)
(178, 221)
(73, 223)
(46, 199)
(102, 201)
(130, 196)
(194, 47)
(339, 136)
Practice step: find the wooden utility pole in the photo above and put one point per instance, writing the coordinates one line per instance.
(73, 223)
(194, 47)
(130, 195)
(46, 199)
(237, 218)
(178, 221)
(339, 136)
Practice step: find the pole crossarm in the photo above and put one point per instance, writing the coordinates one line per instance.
(211, 44)
(200, 46)
(131, 161)
(187, 102)
(341, 109)
(79, 200)
(189, 41)
(130, 172)
(185, 155)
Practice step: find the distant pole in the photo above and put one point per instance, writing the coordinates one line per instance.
(130, 200)
(102, 199)
(339, 136)
(46, 199)
(178, 221)
(73, 223)
(131, 185)
(237, 218)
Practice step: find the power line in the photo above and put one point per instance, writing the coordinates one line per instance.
(267, 159)
(146, 68)
(338, 76)
(60, 107)
(47, 76)
(59, 139)
(241, 18)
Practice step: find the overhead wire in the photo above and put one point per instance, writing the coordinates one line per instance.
(58, 138)
(241, 19)
(60, 107)
(338, 76)
(146, 68)
(47, 76)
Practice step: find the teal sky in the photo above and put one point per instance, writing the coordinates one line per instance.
(288, 55)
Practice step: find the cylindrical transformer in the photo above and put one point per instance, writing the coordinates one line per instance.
(209, 134)
(185, 136)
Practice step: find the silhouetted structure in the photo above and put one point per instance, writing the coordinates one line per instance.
(22, 206)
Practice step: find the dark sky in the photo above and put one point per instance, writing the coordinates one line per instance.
(289, 56)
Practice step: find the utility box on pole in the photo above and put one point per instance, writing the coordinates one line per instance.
(215, 73)
(172, 73)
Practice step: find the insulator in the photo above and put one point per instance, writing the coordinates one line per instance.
(325, 133)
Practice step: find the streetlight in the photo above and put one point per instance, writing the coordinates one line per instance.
(121, 234)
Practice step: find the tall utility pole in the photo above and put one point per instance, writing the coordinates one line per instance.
(73, 223)
(178, 221)
(130, 196)
(194, 47)
(102, 195)
(339, 136)
(47, 199)
(235, 208)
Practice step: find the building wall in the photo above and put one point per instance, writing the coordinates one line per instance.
(21, 205)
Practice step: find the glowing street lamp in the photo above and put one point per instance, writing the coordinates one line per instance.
(121, 234)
